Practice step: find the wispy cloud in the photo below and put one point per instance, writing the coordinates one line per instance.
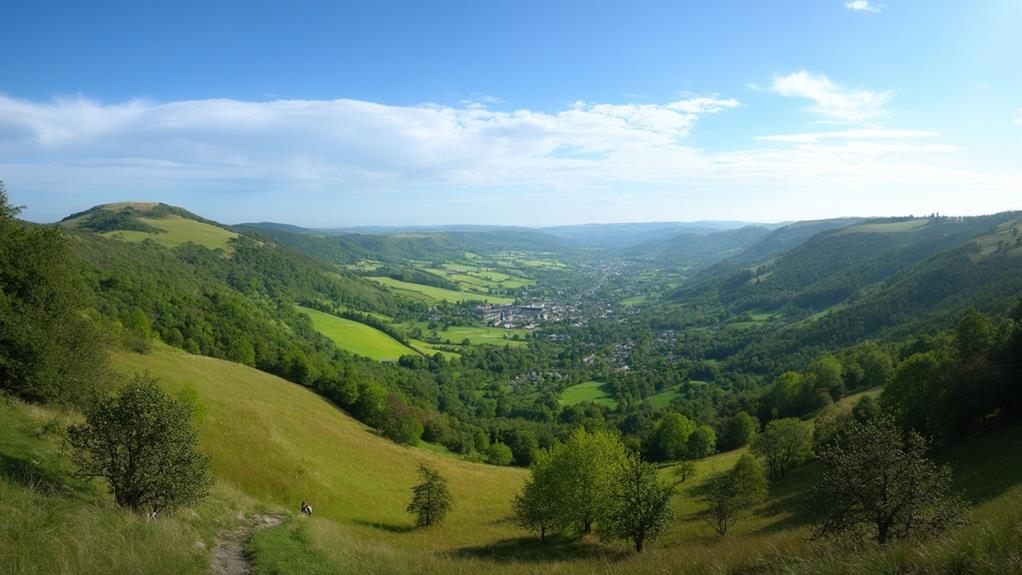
(861, 5)
(358, 161)
(1018, 120)
(831, 100)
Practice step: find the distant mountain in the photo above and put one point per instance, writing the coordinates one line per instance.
(788, 237)
(633, 234)
(400, 247)
(695, 250)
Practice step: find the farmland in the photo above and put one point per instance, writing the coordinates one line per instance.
(357, 337)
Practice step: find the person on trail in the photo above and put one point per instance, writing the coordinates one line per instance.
(306, 508)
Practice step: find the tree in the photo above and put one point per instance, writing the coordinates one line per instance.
(430, 498)
(737, 431)
(685, 470)
(584, 469)
(499, 454)
(785, 443)
(49, 350)
(975, 334)
(876, 482)
(702, 442)
(400, 422)
(916, 390)
(539, 507)
(827, 374)
(641, 504)
(670, 438)
(141, 441)
(730, 493)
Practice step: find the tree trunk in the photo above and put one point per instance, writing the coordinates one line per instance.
(587, 525)
(542, 534)
(638, 544)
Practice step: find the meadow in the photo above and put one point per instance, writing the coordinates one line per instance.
(178, 231)
(594, 391)
(432, 293)
(357, 337)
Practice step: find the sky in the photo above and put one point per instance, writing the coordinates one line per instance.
(537, 113)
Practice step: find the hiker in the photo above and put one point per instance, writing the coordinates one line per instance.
(306, 508)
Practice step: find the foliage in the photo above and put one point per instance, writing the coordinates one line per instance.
(431, 501)
(399, 422)
(729, 493)
(540, 507)
(583, 473)
(640, 504)
(142, 443)
(498, 453)
(737, 431)
(784, 444)
(670, 439)
(49, 349)
(702, 442)
(876, 482)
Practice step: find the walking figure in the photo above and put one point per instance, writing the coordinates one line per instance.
(306, 508)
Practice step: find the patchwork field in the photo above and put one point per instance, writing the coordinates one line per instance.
(357, 337)
(438, 294)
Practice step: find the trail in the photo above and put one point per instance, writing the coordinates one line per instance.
(228, 556)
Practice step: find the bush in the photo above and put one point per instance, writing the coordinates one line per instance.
(142, 442)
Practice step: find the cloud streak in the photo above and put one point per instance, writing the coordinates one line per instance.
(861, 6)
(831, 100)
(353, 161)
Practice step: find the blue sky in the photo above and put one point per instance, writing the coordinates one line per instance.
(534, 113)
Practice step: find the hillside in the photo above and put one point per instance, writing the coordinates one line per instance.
(166, 225)
(274, 444)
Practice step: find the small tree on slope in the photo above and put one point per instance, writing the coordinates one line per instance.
(876, 482)
(641, 504)
(142, 442)
(430, 498)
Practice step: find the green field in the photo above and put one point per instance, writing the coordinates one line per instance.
(664, 398)
(478, 334)
(178, 231)
(633, 300)
(438, 294)
(886, 228)
(594, 391)
(357, 337)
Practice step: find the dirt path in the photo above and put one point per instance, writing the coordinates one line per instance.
(228, 556)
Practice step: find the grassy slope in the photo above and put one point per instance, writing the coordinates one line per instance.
(280, 443)
(587, 391)
(357, 337)
(439, 294)
(178, 231)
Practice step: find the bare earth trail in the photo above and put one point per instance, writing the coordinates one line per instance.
(228, 556)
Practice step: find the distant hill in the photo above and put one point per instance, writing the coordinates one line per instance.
(697, 250)
(633, 234)
(138, 221)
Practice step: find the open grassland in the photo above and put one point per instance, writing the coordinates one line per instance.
(430, 349)
(594, 391)
(1006, 238)
(357, 337)
(432, 293)
(478, 334)
(178, 231)
(884, 228)
(664, 398)
(280, 443)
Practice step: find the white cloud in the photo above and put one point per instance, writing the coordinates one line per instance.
(1018, 120)
(327, 162)
(830, 99)
(861, 6)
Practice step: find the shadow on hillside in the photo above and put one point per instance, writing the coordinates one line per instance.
(530, 549)
(985, 466)
(392, 528)
(28, 473)
(787, 506)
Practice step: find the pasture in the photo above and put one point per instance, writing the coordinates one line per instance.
(594, 391)
(357, 337)
(178, 231)
(432, 293)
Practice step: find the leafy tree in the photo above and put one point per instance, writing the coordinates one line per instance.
(400, 422)
(430, 498)
(142, 442)
(827, 375)
(540, 506)
(640, 504)
(584, 469)
(730, 493)
(876, 482)
(866, 410)
(737, 431)
(685, 470)
(49, 349)
(702, 442)
(975, 333)
(785, 443)
(499, 454)
(670, 438)
(524, 447)
(915, 390)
